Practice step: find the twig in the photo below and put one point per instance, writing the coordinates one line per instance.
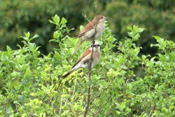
(60, 106)
(152, 111)
(89, 88)
(90, 71)
(106, 115)
(88, 21)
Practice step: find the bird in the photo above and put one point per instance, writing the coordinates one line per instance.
(92, 31)
(85, 60)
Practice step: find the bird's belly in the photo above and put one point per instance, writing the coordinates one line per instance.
(98, 35)
(95, 37)
(94, 34)
(99, 31)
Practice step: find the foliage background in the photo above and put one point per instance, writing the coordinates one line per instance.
(17, 17)
(134, 78)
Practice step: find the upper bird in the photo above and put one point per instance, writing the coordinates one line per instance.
(85, 59)
(92, 31)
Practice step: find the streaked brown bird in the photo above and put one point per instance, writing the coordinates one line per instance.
(85, 59)
(92, 31)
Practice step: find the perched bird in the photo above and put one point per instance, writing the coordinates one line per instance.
(92, 31)
(85, 59)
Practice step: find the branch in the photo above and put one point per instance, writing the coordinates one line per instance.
(88, 20)
(60, 106)
(89, 89)
(152, 110)
(106, 115)
(90, 71)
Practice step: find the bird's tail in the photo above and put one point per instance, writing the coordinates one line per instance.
(79, 44)
(73, 69)
(68, 74)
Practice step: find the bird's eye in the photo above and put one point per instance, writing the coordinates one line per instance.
(101, 17)
(97, 45)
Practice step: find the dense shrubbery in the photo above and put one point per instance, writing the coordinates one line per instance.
(31, 83)
(19, 16)
(156, 23)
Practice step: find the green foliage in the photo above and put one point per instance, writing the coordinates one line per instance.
(156, 4)
(155, 22)
(31, 83)
(17, 17)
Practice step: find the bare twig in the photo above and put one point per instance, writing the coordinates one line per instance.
(88, 21)
(106, 115)
(90, 71)
(89, 88)
(152, 111)
(60, 106)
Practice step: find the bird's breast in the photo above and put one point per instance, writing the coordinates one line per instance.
(89, 35)
(96, 58)
(94, 33)
(99, 30)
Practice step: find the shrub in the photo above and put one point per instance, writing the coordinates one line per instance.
(155, 22)
(21, 16)
(31, 83)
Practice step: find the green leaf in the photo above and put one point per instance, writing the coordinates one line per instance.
(136, 37)
(122, 106)
(27, 35)
(9, 49)
(129, 28)
(63, 20)
(159, 40)
(51, 22)
(56, 19)
(35, 36)
(81, 27)
(139, 30)
(28, 72)
(56, 34)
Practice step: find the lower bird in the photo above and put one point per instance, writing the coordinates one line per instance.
(85, 59)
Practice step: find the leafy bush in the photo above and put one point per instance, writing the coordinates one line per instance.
(157, 4)
(31, 83)
(21, 16)
(155, 22)
(17, 16)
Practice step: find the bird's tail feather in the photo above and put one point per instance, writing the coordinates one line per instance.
(79, 44)
(68, 73)
(73, 69)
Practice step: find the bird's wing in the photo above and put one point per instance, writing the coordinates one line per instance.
(87, 28)
(86, 53)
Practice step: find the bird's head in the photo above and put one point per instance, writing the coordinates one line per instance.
(95, 46)
(100, 18)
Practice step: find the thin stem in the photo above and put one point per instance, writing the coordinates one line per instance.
(90, 72)
(106, 115)
(88, 21)
(60, 107)
(89, 88)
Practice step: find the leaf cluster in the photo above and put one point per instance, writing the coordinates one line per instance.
(124, 83)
